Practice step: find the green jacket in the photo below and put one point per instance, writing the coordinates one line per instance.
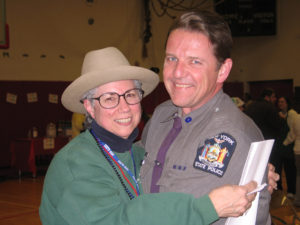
(81, 188)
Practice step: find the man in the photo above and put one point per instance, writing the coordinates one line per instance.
(264, 113)
(214, 136)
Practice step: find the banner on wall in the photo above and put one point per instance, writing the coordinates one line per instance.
(48, 143)
(32, 97)
(53, 98)
(11, 98)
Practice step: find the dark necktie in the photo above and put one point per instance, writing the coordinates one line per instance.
(161, 155)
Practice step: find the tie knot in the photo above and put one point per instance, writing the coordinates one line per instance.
(177, 123)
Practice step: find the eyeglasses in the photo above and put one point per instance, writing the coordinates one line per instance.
(111, 100)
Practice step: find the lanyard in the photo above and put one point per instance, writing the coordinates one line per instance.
(118, 162)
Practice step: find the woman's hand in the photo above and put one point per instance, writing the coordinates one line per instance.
(233, 200)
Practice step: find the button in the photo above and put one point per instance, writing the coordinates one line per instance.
(188, 119)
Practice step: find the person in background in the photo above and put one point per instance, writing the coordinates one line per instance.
(293, 136)
(248, 99)
(239, 103)
(78, 120)
(265, 114)
(94, 179)
(287, 156)
(199, 139)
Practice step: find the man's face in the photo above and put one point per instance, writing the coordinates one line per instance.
(122, 119)
(191, 74)
(282, 104)
(272, 98)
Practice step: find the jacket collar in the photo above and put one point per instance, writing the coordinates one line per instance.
(116, 143)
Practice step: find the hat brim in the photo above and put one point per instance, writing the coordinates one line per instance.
(73, 93)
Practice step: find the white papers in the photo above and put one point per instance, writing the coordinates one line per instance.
(254, 169)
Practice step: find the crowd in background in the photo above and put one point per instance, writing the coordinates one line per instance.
(278, 119)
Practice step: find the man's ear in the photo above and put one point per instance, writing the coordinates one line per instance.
(89, 107)
(224, 71)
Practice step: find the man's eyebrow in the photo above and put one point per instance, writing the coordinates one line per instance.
(196, 57)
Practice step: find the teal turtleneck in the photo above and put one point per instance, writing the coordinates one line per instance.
(116, 143)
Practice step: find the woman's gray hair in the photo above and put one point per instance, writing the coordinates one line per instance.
(137, 83)
(91, 94)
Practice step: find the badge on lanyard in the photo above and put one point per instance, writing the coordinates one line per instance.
(215, 154)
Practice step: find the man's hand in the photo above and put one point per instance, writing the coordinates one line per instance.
(272, 178)
(232, 200)
(283, 116)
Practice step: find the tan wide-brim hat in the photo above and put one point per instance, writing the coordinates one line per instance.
(101, 67)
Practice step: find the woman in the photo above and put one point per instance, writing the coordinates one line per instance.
(94, 178)
(292, 143)
(287, 156)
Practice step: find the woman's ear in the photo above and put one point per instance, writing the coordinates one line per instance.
(224, 71)
(89, 107)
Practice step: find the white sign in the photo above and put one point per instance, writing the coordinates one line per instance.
(32, 97)
(11, 98)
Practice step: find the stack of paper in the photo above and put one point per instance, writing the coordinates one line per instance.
(254, 169)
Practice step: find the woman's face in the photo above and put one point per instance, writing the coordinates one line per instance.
(120, 120)
(282, 104)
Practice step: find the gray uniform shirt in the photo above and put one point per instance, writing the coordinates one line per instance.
(202, 128)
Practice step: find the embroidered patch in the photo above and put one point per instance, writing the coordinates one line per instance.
(215, 155)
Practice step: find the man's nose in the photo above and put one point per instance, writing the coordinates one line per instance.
(179, 70)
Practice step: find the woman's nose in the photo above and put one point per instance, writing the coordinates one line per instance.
(123, 105)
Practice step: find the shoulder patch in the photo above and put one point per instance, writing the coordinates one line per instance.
(215, 154)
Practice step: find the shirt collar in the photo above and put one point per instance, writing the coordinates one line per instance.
(172, 114)
(177, 111)
(212, 105)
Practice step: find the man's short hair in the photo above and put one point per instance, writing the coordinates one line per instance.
(213, 26)
(267, 92)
